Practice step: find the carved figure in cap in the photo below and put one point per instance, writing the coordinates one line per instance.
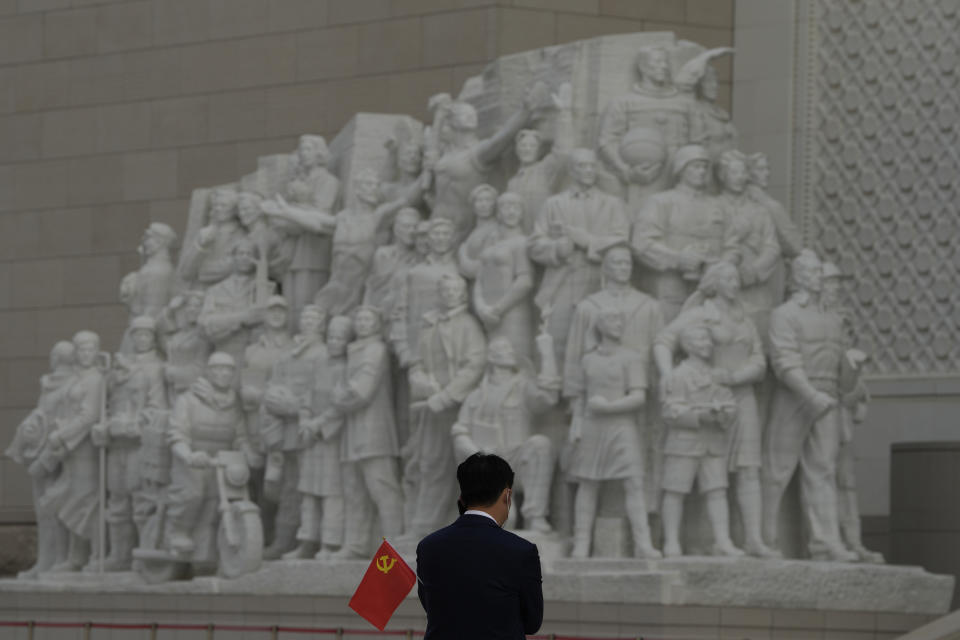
(392, 262)
(571, 230)
(497, 417)
(613, 380)
(206, 258)
(699, 413)
(184, 342)
(272, 240)
(147, 291)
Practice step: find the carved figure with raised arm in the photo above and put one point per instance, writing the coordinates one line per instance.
(231, 310)
(321, 428)
(74, 494)
(288, 391)
(613, 380)
(501, 294)
(571, 230)
(273, 241)
(206, 420)
(354, 243)
(391, 263)
(679, 232)
(406, 147)
(853, 412)
(368, 442)
(738, 363)
(711, 124)
(653, 105)
(146, 291)
(807, 351)
(206, 258)
(698, 412)
(31, 448)
(539, 178)
(450, 362)
(497, 417)
(751, 242)
(466, 160)
(483, 201)
(184, 342)
(136, 398)
(305, 207)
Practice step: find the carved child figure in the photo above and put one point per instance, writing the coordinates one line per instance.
(497, 417)
(321, 427)
(136, 398)
(698, 413)
(368, 445)
(604, 432)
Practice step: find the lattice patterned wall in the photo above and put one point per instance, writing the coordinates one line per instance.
(883, 172)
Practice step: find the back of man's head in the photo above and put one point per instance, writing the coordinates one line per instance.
(482, 478)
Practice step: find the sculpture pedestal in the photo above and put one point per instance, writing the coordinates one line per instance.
(698, 597)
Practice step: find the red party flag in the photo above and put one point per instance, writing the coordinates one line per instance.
(386, 583)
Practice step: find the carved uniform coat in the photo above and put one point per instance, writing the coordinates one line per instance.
(320, 459)
(225, 307)
(370, 430)
(502, 264)
(206, 266)
(354, 242)
(688, 388)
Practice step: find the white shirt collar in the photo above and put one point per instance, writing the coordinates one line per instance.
(477, 512)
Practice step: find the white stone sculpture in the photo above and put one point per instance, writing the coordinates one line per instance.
(807, 351)
(231, 310)
(483, 202)
(449, 364)
(463, 160)
(738, 363)
(613, 383)
(504, 281)
(31, 448)
(571, 229)
(288, 390)
(321, 428)
(136, 397)
(653, 105)
(391, 263)
(497, 417)
(407, 148)
(711, 125)
(538, 178)
(853, 412)
(74, 495)
(368, 442)
(305, 207)
(184, 342)
(699, 413)
(272, 240)
(354, 242)
(146, 291)
(677, 232)
(206, 258)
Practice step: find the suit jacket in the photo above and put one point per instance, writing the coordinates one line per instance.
(476, 580)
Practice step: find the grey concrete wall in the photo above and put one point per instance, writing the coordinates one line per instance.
(112, 111)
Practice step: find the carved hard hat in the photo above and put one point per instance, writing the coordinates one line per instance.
(221, 359)
(277, 301)
(143, 322)
(830, 270)
(687, 154)
(500, 352)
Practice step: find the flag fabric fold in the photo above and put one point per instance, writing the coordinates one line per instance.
(386, 583)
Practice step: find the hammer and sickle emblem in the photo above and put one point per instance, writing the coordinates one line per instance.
(385, 563)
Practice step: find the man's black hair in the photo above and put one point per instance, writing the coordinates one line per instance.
(482, 478)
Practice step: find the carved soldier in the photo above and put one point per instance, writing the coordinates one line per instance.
(321, 428)
(613, 380)
(678, 232)
(571, 229)
(368, 445)
(147, 291)
(206, 258)
(483, 200)
(406, 146)
(30, 448)
(186, 346)
(711, 123)
(497, 417)
(230, 312)
(203, 423)
(699, 413)
(287, 392)
(654, 104)
(807, 351)
(273, 241)
(392, 262)
(136, 396)
(306, 207)
(450, 363)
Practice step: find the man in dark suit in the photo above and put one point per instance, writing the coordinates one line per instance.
(476, 580)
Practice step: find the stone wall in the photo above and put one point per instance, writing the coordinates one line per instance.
(111, 112)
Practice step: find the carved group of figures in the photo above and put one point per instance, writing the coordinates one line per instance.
(655, 268)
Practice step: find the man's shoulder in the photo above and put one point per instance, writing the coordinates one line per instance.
(457, 531)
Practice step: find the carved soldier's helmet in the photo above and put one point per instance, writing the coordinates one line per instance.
(143, 322)
(221, 359)
(684, 156)
(500, 353)
(277, 301)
